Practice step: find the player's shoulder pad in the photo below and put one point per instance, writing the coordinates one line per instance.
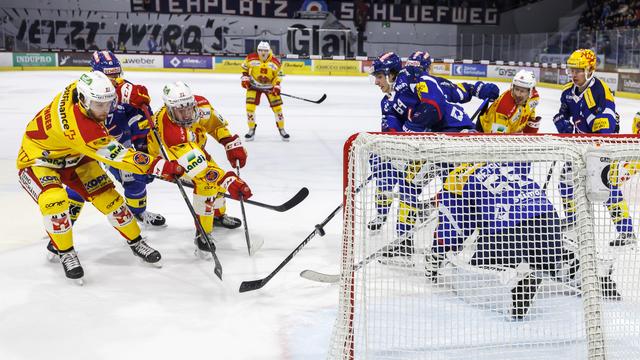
(506, 104)
(172, 133)
(275, 60)
(253, 56)
(567, 86)
(534, 93)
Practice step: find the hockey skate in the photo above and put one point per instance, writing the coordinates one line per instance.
(203, 250)
(376, 223)
(226, 221)
(71, 265)
(398, 255)
(624, 239)
(145, 252)
(150, 219)
(249, 136)
(283, 134)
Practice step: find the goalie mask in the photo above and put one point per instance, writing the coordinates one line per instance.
(181, 104)
(264, 50)
(96, 95)
(522, 86)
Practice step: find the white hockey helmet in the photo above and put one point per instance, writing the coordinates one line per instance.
(96, 95)
(525, 79)
(264, 50)
(180, 103)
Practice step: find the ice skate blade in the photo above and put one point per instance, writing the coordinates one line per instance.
(51, 257)
(78, 282)
(157, 264)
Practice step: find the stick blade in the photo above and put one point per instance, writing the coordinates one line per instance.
(295, 200)
(324, 96)
(251, 285)
(319, 277)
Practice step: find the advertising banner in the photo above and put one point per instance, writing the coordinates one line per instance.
(548, 75)
(440, 69)
(610, 78)
(630, 82)
(6, 59)
(336, 67)
(140, 61)
(229, 65)
(188, 62)
(296, 66)
(508, 72)
(34, 59)
(73, 59)
(475, 70)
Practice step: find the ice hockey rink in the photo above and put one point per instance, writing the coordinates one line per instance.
(128, 310)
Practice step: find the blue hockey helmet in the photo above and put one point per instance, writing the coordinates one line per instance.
(420, 59)
(387, 63)
(106, 62)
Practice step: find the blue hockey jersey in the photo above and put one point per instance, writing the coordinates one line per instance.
(592, 111)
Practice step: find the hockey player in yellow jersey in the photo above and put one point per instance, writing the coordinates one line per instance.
(261, 75)
(61, 146)
(183, 125)
(515, 110)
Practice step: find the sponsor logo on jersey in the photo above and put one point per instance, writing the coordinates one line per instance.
(211, 176)
(122, 216)
(113, 151)
(60, 223)
(97, 183)
(193, 161)
(47, 180)
(52, 204)
(141, 159)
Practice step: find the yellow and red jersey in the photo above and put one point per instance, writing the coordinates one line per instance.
(187, 145)
(61, 134)
(263, 74)
(504, 116)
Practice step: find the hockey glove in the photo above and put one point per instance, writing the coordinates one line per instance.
(165, 169)
(532, 126)
(235, 150)
(276, 90)
(486, 90)
(563, 125)
(235, 186)
(135, 95)
(245, 82)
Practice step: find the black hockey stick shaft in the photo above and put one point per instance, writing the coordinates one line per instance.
(244, 218)
(217, 266)
(480, 109)
(549, 174)
(324, 96)
(257, 284)
(295, 200)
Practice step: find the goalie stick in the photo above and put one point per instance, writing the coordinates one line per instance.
(217, 266)
(288, 205)
(334, 278)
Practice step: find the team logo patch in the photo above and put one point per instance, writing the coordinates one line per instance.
(211, 176)
(141, 159)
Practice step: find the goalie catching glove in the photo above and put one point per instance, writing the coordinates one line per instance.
(235, 150)
(235, 186)
(168, 170)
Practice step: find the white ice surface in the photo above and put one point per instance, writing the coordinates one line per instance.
(127, 310)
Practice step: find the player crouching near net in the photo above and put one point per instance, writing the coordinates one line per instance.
(515, 236)
(183, 124)
(62, 145)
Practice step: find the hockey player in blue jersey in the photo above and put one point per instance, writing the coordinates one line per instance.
(587, 106)
(419, 63)
(517, 228)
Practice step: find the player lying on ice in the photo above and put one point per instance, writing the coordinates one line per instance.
(62, 145)
(183, 124)
(519, 239)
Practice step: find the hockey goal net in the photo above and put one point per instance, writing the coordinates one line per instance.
(479, 247)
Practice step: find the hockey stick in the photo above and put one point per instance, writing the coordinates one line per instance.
(251, 248)
(289, 204)
(218, 267)
(324, 96)
(319, 229)
(549, 175)
(257, 284)
(334, 278)
(480, 109)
